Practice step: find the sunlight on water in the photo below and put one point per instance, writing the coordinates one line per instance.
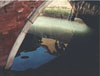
(59, 29)
(48, 24)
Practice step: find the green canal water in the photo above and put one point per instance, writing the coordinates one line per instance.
(60, 29)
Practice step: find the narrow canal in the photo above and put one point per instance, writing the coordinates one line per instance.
(80, 61)
(53, 29)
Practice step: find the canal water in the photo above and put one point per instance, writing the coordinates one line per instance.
(54, 28)
(35, 59)
(58, 29)
(82, 61)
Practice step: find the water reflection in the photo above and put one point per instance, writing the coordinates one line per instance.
(36, 51)
(45, 42)
(36, 58)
